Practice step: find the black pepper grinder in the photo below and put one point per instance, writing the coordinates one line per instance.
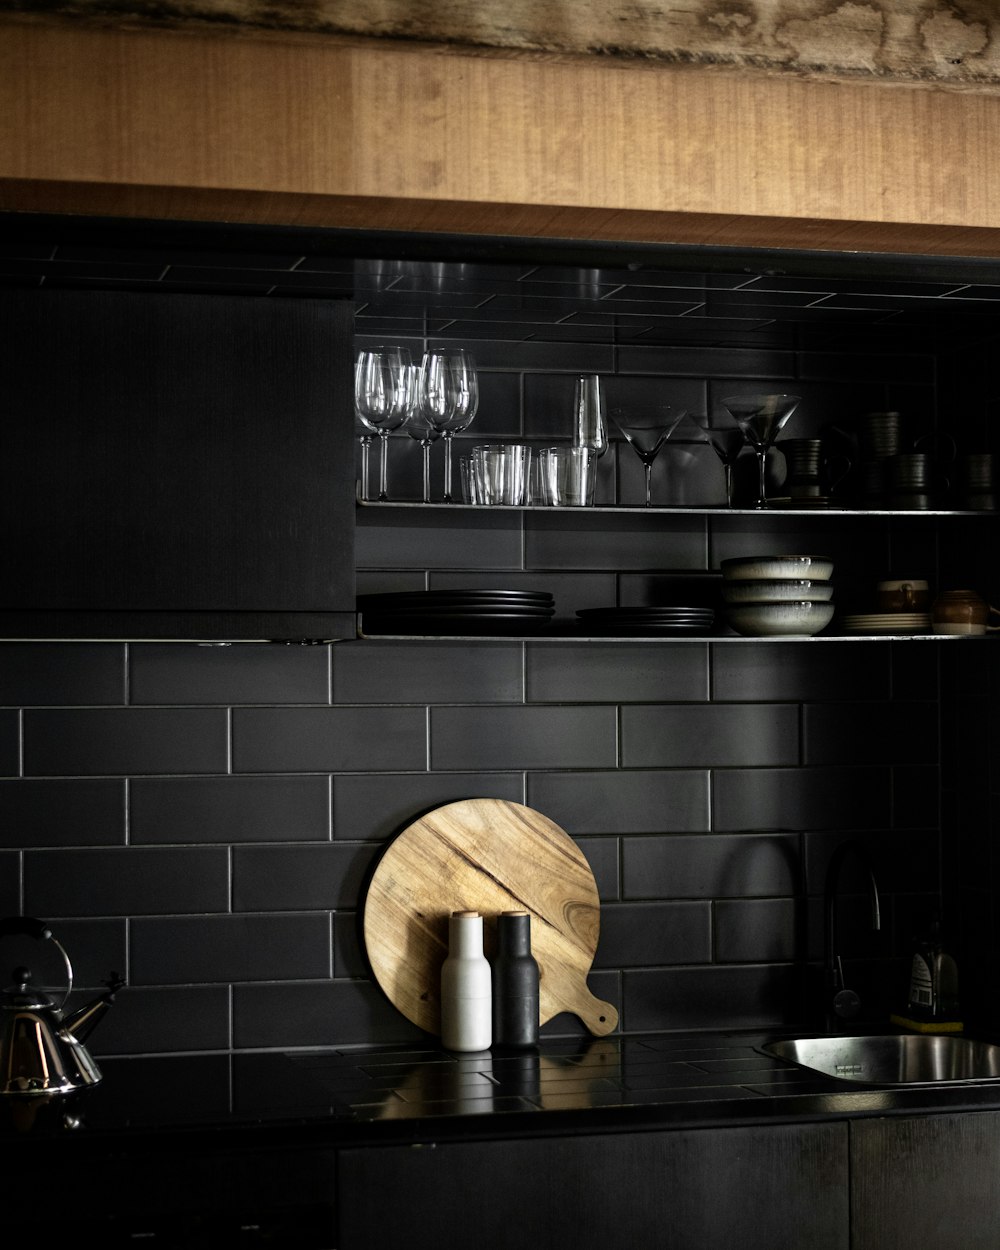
(515, 982)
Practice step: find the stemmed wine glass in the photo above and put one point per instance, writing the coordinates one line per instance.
(727, 441)
(646, 434)
(384, 399)
(761, 418)
(420, 429)
(448, 397)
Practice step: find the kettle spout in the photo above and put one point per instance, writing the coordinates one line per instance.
(83, 1021)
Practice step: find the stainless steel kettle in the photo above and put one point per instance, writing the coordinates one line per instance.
(42, 1051)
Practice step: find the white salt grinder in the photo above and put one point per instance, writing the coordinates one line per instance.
(466, 986)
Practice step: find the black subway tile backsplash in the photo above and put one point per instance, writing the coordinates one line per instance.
(711, 866)
(330, 1013)
(395, 673)
(200, 950)
(784, 671)
(130, 881)
(881, 733)
(523, 737)
(305, 739)
(242, 673)
(761, 996)
(166, 1019)
(627, 801)
(796, 799)
(10, 883)
(54, 812)
(376, 807)
(208, 816)
(39, 674)
(10, 743)
(605, 673)
(643, 935)
(715, 735)
(96, 741)
(758, 930)
(228, 809)
(289, 878)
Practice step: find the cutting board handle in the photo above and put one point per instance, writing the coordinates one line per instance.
(600, 1017)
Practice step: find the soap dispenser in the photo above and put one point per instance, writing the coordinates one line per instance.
(932, 1001)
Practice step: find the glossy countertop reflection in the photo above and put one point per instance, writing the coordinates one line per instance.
(383, 1094)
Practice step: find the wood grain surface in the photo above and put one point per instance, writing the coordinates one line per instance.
(309, 129)
(485, 855)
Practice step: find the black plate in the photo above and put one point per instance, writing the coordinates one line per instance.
(472, 609)
(406, 598)
(494, 623)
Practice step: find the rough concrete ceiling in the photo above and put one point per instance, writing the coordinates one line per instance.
(911, 41)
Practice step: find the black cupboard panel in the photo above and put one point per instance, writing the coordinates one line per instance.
(176, 466)
(772, 1188)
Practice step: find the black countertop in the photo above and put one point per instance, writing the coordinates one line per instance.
(371, 1096)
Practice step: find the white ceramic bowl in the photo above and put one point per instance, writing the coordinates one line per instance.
(777, 590)
(761, 620)
(763, 568)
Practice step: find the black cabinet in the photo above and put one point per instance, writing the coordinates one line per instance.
(176, 466)
(759, 1188)
(928, 1181)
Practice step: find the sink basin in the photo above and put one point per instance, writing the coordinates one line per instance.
(908, 1059)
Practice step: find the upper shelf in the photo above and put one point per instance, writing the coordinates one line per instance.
(676, 510)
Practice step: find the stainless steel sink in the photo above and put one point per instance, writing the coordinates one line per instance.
(907, 1059)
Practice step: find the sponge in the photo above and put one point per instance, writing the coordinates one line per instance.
(927, 1026)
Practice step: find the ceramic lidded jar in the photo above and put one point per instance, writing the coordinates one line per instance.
(961, 612)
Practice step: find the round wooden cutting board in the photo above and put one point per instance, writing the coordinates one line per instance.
(485, 855)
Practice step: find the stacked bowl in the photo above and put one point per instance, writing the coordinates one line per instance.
(784, 596)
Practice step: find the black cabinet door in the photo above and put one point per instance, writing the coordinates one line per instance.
(769, 1188)
(175, 466)
(930, 1182)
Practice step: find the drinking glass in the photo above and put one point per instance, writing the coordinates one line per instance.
(647, 433)
(384, 399)
(448, 397)
(589, 428)
(726, 440)
(761, 418)
(426, 435)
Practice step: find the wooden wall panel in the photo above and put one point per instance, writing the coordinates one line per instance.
(321, 127)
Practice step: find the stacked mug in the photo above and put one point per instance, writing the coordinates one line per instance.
(880, 434)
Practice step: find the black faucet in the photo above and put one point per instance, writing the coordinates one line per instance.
(844, 1004)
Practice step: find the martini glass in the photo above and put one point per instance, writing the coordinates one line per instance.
(646, 434)
(761, 418)
(727, 441)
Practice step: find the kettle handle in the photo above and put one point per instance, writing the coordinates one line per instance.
(13, 926)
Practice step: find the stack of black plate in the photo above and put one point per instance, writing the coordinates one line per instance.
(456, 612)
(628, 621)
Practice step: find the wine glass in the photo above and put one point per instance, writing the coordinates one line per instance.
(420, 429)
(589, 428)
(761, 418)
(448, 397)
(647, 433)
(384, 399)
(727, 441)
